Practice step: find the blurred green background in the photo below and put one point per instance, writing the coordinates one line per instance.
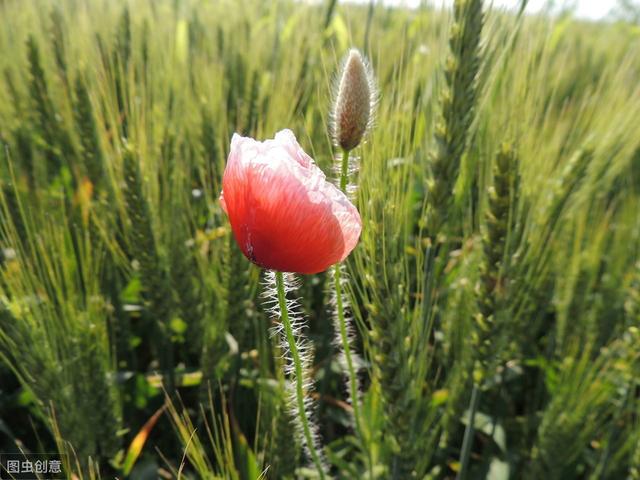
(129, 319)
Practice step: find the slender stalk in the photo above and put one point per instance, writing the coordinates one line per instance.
(342, 325)
(468, 433)
(346, 347)
(344, 171)
(286, 322)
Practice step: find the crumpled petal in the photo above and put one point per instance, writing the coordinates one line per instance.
(284, 214)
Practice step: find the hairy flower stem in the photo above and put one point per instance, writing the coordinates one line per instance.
(346, 348)
(468, 433)
(342, 324)
(344, 337)
(286, 322)
(344, 171)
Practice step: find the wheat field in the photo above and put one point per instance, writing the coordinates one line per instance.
(486, 325)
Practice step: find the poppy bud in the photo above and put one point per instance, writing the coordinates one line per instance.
(355, 102)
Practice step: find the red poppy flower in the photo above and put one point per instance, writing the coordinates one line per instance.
(284, 214)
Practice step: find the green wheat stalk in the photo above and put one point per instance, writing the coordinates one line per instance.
(457, 103)
(143, 245)
(487, 329)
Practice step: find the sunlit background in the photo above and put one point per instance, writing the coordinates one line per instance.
(587, 9)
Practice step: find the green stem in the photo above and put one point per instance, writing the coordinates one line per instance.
(346, 347)
(344, 172)
(291, 340)
(468, 433)
(342, 325)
